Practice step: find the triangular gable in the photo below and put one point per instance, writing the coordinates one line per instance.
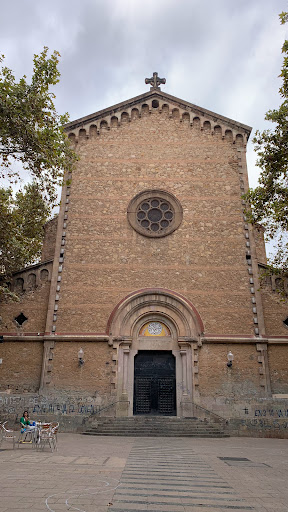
(155, 98)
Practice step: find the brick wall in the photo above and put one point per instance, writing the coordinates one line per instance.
(105, 259)
(259, 231)
(33, 304)
(204, 259)
(94, 376)
(275, 308)
(278, 366)
(21, 366)
(48, 249)
(221, 382)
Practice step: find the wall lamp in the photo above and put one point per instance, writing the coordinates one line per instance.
(81, 357)
(230, 358)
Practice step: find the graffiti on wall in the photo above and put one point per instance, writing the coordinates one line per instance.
(41, 405)
(265, 423)
(269, 418)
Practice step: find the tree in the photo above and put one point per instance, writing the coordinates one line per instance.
(31, 135)
(31, 131)
(269, 200)
(22, 218)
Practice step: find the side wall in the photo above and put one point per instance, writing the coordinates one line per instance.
(33, 295)
(275, 306)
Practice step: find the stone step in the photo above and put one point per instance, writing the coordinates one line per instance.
(152, 432)
(153, 421)
(152, 424)
(134, 433)
(155, 426)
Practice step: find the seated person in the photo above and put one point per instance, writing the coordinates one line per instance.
(27, 428)
(24, 421)
(26, 424)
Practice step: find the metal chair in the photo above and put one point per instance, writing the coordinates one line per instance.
(45, 437)
(26, 436)
(6, 433)
(54, 432)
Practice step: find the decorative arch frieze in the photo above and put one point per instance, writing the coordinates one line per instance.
(31, 277)
(191, 116)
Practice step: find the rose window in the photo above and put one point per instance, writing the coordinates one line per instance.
(155, 214)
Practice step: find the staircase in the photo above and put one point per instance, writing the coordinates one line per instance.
(156, 426)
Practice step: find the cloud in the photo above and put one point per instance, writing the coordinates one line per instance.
(221, 55)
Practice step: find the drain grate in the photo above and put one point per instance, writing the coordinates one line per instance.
(235, 458)
(243, 461)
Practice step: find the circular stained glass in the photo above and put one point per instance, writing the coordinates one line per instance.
(155, 328)
(155, 213)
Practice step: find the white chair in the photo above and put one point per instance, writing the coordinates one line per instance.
(27, 436)
(6, 433)
(45, 437)
(54, 432)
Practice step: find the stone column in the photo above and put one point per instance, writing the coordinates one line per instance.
(122, 405)
(186, 400)
(126, 351)
(184, 371)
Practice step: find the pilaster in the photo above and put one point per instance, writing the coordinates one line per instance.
(264, 372)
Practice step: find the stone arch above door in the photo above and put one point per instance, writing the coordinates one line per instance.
(185, 328)
(159, 302)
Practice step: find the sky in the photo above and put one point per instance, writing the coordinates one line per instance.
(224, 56)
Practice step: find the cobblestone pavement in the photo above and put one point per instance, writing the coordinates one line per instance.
(122, 474)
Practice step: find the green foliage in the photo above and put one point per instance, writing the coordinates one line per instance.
(31, 131)
(269, 200)
(32, 136)
(22, 218)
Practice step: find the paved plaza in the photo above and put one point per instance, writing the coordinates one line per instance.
(121, 474)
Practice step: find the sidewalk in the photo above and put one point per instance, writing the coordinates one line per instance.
(120, 474)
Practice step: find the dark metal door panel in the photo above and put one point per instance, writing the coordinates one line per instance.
(166, 396)
(142, 404)
(154, 383)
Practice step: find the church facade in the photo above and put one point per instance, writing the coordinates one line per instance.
(149, 298)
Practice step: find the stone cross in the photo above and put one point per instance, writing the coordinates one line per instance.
(155, 81)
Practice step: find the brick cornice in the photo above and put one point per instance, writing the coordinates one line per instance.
(183, 104)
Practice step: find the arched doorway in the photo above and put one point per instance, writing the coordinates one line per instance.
(155, 336)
